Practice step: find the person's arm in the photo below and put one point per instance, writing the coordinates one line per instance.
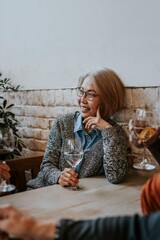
(50, 163)
(18, 224)
(54, 168)
(49, 170)
(115, 147)
(110, 228)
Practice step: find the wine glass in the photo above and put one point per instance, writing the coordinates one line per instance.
(6, 149)
(145, 125)
(73, 153)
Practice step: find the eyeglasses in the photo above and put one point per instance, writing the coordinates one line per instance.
(90, 95)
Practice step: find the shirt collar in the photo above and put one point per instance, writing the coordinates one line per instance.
(78, 125)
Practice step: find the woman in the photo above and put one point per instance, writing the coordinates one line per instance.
(136, 227)
(100, 96)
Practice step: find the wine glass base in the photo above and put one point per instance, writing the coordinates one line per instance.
(144, 166)
(75, 188)
(7, 188)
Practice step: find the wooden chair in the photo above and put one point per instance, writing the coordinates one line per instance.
(20, 166)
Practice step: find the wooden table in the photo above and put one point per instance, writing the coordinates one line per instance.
(98, 198)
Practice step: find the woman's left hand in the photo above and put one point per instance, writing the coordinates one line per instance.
(96, 122)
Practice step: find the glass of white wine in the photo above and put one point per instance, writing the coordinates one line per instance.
(73, 153)
(145, 125)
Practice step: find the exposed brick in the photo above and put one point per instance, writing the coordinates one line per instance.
(35, 145)
(34, 133)
(37, 110)
(34, 122)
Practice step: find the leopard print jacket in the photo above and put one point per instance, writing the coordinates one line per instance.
(107, 156)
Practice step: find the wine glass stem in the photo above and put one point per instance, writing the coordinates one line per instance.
(144, 153)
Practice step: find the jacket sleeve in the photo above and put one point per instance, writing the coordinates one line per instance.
(115, 146)
(49, 170)
(51, 160)
(112, 228)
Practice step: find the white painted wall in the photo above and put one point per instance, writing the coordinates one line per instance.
(47, 44)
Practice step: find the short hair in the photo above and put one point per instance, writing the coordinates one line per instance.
(111, 89)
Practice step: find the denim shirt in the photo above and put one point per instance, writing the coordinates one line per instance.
(88, 139)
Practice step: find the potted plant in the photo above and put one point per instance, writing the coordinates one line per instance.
(11, 144)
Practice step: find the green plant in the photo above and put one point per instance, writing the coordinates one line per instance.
(6, 84)
(7, 117)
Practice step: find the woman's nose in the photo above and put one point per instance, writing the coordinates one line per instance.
(83, 98)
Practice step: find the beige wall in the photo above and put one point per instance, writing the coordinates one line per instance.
(46, 44)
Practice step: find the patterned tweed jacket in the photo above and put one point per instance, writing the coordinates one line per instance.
(107, 156)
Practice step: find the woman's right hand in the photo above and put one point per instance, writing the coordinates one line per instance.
(68, 178)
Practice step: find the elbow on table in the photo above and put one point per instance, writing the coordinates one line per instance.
(116, 180)
(117, 176)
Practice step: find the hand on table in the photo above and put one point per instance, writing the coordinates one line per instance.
(18, 224)
(68, 178)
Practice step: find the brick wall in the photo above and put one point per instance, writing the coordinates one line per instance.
(37, 110)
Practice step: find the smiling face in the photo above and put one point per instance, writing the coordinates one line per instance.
(88, 107)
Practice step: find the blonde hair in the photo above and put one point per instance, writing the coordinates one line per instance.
(111, 89)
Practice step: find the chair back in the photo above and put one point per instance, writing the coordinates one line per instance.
(21, 168)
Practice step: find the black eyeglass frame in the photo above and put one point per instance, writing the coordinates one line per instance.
(89, 95)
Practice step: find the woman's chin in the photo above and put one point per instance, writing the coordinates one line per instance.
(85, 115)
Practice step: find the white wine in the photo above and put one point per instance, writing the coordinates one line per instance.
(73, 158)
(147, 133)
(145, 124)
